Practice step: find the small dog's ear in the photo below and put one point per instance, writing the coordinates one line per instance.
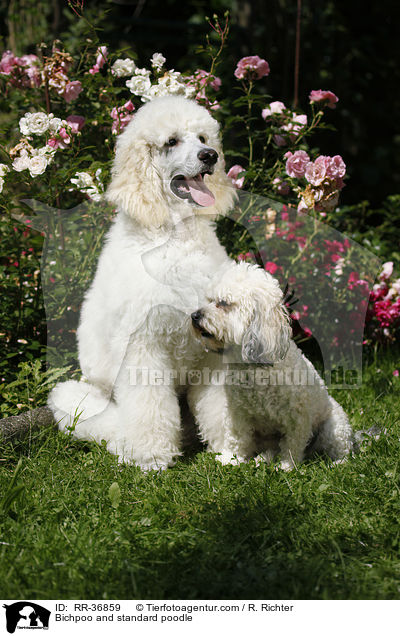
(136, 186)
(268, 337)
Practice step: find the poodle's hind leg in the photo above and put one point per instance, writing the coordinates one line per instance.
(292, 445)
(335, 436)
(73, 402)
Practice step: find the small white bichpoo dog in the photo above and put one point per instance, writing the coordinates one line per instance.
(168, 184)
(270, 400)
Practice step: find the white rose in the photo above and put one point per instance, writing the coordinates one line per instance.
(123, 68)
(37, 165)
(139, 84)
(21, 162)
(85, 183)
(55, 123)
(396, 287)
(142, 71)
(157, 90)
(176, 88)
(157, 61)
(37, 123)
(97, 175)
(24, 124)
(1, 184)
(190, 92)
(3, 169)
(172, 81)
(82, 180)
(94, 194)
(46, 151)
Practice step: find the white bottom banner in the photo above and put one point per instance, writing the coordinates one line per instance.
(173, 617)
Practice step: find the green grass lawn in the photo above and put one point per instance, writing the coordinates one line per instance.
(204, 531)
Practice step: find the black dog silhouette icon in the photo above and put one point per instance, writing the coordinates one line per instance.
(27, 614)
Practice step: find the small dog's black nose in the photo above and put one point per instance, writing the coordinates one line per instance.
(208, 156)
(197, 316)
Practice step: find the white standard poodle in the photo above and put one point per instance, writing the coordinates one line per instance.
(168, 184)
(267, 398)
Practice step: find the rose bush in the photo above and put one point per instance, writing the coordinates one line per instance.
(62, 118)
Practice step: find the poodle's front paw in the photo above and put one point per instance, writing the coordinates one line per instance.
(146, 467)
(339, 462)
(266, 457)
(129, 453)
(286, 465)
(227, 457)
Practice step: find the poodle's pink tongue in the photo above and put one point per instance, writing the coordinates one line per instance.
(199, 192)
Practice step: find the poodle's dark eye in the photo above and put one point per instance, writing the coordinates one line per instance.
(202, 139)
(222, 303)
(172, 142)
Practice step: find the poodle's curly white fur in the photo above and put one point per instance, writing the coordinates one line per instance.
(271, 399)
(168, 183)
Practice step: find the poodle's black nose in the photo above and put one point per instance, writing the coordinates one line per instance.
(197, 316)
(208, 156)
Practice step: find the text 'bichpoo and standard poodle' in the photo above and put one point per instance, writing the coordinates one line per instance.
(168, 184)
(270, 399)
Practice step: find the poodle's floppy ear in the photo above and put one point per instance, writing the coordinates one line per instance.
(267, 338)
(136, 185)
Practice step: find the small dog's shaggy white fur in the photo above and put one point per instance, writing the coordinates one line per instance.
(168, 183)
(287, 404)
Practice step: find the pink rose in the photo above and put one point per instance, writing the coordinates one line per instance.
(76, 123)
(299, 121)
(53, 143)
(66, 139)
(325, 98)
(121, 116)
(216, 83)
(252, 67)
(353, 279)
(336, 167)
(128, 106)
(396, 373)
(275, 108)
(30, 65)
(203, 77)
(271, 267)
(7, 62)
(293, 128)
(102, 56)
(296, 164)
(280, 141)
(213, 105)
(387, 271)
(120, 123)
(315, 172)
(72, 90)
(281, 186)
(233, 174)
